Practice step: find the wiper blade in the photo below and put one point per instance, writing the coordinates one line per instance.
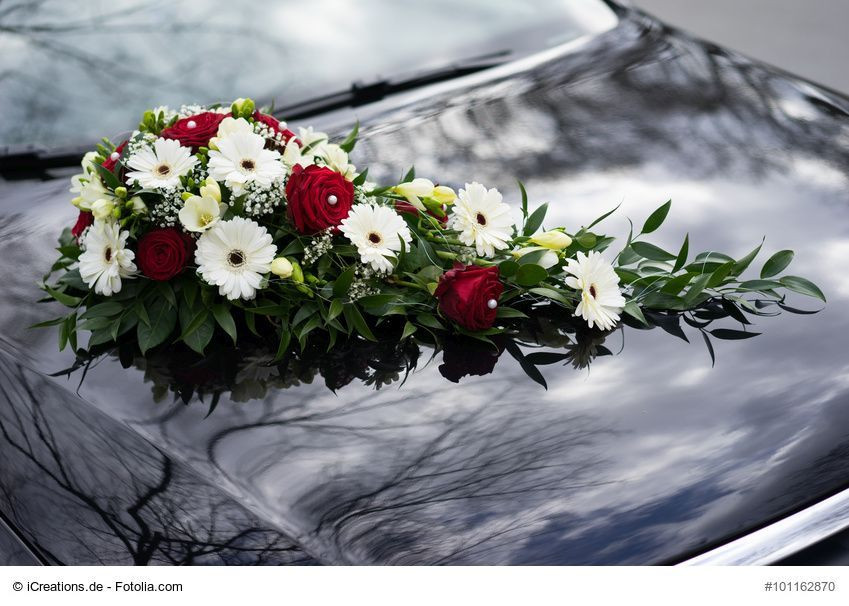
(26, 161)
(362, 93)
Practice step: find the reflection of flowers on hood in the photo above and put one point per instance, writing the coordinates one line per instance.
(463, 357)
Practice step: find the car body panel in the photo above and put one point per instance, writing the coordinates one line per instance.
(650, 455)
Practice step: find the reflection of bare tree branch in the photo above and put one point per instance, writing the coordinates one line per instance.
(112, 497)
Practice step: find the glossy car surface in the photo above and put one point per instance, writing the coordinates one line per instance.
(649, 456)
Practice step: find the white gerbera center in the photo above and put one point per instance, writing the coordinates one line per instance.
(377, 232)
(106, 260)
(601, 298)
(161, 166)
(482, 219)
(234, 255)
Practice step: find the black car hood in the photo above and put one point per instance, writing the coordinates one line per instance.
(650, 455)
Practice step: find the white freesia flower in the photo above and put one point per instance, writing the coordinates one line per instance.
(242, 158)
(482, 219)
(234, 255)
(161, 166)
(336, 160)
(200, 213)
(415, 190)
(106, 260)
(230, 126)
(313, 138)
(549, 257)
(601, 298)
(282, 267)
(377, 232)
(89, 163)
(91, 190)
(555, 240)
(102, 209)
(419, 188)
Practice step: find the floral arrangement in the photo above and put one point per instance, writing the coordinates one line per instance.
(218, 220)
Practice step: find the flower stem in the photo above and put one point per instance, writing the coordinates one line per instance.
(407, 283)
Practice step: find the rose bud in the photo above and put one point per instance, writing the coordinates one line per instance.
(468, 294)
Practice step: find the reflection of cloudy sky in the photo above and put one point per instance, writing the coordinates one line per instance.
(650, 453)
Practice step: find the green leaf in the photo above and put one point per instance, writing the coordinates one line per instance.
(676, 284)
(167, 293)
(354, 318)
(351, 140)
(759, 285)
(507, 268)
(650, 251)
(430, 321)
(681, 259)
(530, 275)
(633, 310)
(550, 293)
(586, 240)
(64, 299)
(720, 273)
(110, 308)
(361, 178)
(409, 329)
(163, 318)
(225, 319)
(200, 336)
(803, 286)
(509, 312)
(777, 263)
(657, 218)
(603, 217)
(524, 201)
(306, 310)
(343, 282)
(48, 323)
(535, 256)
(696, 289)
(109, 178)
(534, 222)
(335, 309)
(743, 264)
(292, 248)
(283, 345)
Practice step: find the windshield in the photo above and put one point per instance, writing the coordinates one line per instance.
(72, 72)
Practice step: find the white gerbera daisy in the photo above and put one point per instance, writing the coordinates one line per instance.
(601, 298)
(106, 260)
(161, 166)
(482, 219)
(234, 255)
(241, 158)
(377, 232)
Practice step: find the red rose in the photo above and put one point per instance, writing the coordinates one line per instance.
(409, 209)
(109, 163)
(83, 220)
(465, 293)
(272, 123)
(163, 253)
(318, 198)
(194, 131)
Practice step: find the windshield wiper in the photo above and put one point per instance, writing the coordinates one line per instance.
(362, 93)
(26, 161)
